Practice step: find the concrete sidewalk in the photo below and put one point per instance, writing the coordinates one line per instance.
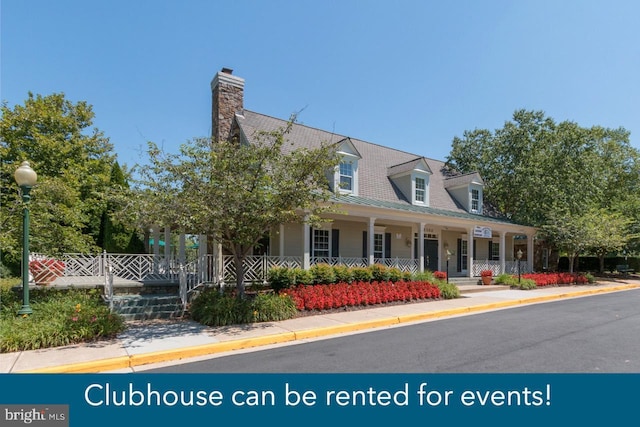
(163, 342)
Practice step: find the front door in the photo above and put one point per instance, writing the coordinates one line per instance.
(431, 255)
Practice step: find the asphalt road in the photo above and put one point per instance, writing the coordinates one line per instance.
(599, 333)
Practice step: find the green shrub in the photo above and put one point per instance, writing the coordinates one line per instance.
(524, 284)
(379, 272)
(425, 276)
(395, 274)
(343, 273)
(213, 308)
(280, 278)
(505, 279)
(448, 290)
(361, 274)
(60, 317)
(302, 276)
(272, 307)
(590, 278)
(323, 274)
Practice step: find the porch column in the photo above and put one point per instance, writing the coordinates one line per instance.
(470, 252)
(502, 252)
(440, 251)
(529, 253)
(306, 244)
(370, 239)
(421, 246)
(281, 242)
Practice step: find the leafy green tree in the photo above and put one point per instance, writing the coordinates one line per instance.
(73, 162)
(607, 232)
(546, 174)
(116, 236)
(567, 233)
(237, 192)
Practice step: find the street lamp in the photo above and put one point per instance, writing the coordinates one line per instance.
(25, 178)
(448, 258)
(519, 256)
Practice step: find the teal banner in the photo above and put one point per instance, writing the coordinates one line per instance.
(317, 399)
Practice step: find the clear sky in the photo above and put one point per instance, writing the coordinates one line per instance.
(408, 74)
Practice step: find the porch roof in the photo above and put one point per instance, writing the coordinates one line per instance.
(348, 199)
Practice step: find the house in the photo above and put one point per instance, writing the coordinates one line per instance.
(397, 208)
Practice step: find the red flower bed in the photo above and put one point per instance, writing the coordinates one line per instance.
(546, 279)
(440, 275)
(322, 297)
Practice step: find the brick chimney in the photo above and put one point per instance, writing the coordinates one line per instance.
(227, 93)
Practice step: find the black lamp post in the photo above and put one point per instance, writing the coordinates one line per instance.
(25, 178)
(448, 258)
(519, 256)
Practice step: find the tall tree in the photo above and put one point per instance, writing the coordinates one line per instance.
(117, 235)
(73, 162)
(237, 192)
(537, 171)
(607, 232)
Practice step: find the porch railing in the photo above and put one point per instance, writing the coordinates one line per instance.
(210, 269)
(510, 267)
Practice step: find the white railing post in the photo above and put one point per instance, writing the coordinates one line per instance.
(183, 287)
(108, 284)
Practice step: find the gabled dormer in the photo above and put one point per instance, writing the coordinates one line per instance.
(467, 190)
(345, 176)
(412, 178)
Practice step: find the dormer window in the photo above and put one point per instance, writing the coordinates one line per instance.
(421, 189)
(412, 179)
(475, 200)
(467, 190)
(346, 176)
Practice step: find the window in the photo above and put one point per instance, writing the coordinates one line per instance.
(420, 189)
(346, 176)
(378, 245)
(320, 243)
(475, 200)
(495, 251)
(464, 255)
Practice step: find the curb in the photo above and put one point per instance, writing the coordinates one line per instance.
(127, 362)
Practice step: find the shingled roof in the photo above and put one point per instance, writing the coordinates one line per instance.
(375, 186)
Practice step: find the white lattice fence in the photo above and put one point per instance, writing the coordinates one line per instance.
(403, 264)
(83, 265)
(141, 267)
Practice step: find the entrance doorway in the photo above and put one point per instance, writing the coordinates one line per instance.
(431, 255)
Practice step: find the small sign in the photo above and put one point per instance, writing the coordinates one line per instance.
(483, 232)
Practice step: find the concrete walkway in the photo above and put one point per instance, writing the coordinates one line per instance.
(152, 344)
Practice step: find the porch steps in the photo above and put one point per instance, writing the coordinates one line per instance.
(147, 307)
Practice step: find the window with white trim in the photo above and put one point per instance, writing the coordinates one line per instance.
(421, 188)
(378, 245)
(475, 200)
(321, 243)
(346, 176)
(495, 251)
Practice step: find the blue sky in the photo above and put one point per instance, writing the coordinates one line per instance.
(406, 74)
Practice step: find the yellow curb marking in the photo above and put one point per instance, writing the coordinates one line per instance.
(126, 362)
